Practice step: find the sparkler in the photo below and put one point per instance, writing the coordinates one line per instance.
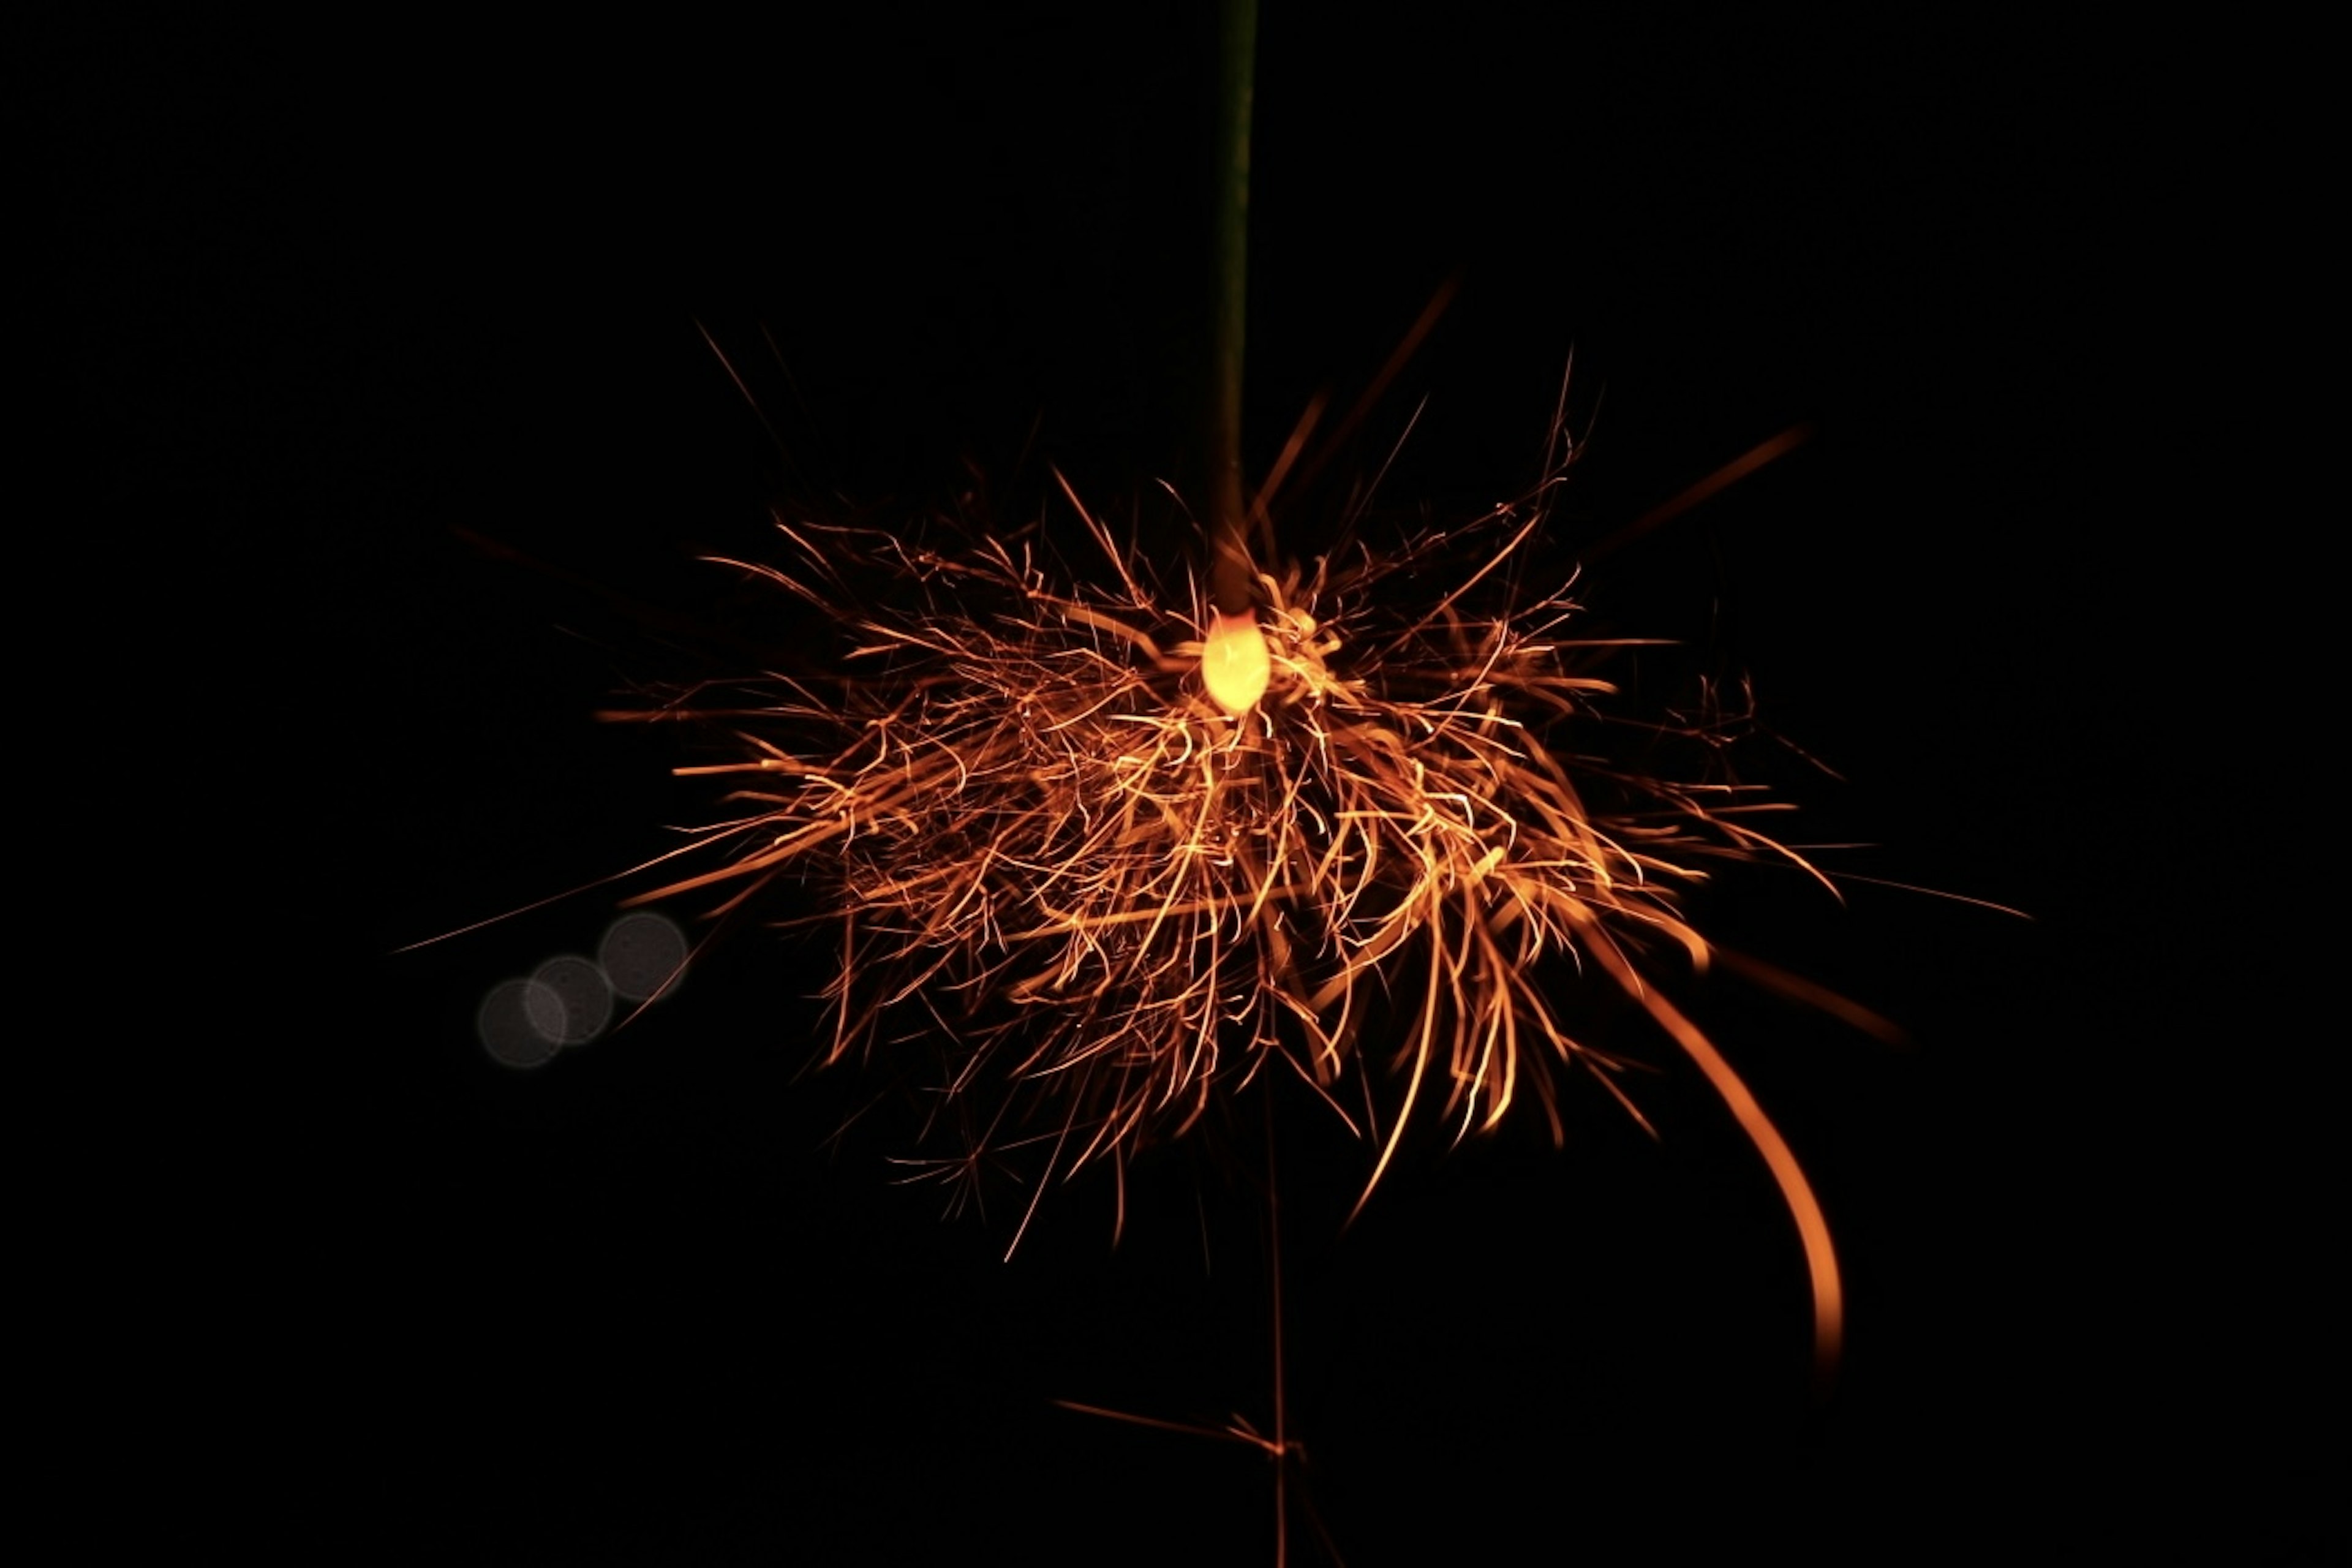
(1121, 851)
(1099, 848)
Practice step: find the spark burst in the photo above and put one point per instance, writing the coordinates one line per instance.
(1107, 898)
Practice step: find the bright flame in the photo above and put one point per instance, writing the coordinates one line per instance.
(1235, 665)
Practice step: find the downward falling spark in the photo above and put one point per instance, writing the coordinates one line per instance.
(1127, 857)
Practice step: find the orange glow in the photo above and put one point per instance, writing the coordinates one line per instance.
(1235, 666)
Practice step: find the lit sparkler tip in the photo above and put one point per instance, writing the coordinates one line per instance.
(1019, 804)
(1235, 665)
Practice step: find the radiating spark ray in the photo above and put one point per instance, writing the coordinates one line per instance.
(1797, 988)
(1222, 1434)
(1378, 387)
(1731, 473)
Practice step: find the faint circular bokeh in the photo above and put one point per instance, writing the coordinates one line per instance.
(582, 997)
(510, 1022)
(644, 954)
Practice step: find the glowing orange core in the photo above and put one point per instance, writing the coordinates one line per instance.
(1233, 665)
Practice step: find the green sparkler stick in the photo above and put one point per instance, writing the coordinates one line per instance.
(1230, 569)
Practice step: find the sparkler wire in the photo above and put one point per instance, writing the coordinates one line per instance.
(1237, 64)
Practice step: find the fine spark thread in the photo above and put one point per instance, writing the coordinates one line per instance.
(1118, 901)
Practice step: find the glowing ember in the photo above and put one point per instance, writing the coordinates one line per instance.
(1235, 666)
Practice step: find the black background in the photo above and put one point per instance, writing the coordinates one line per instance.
(341, 307)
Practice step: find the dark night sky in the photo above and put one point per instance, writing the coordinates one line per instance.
(330, 306)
